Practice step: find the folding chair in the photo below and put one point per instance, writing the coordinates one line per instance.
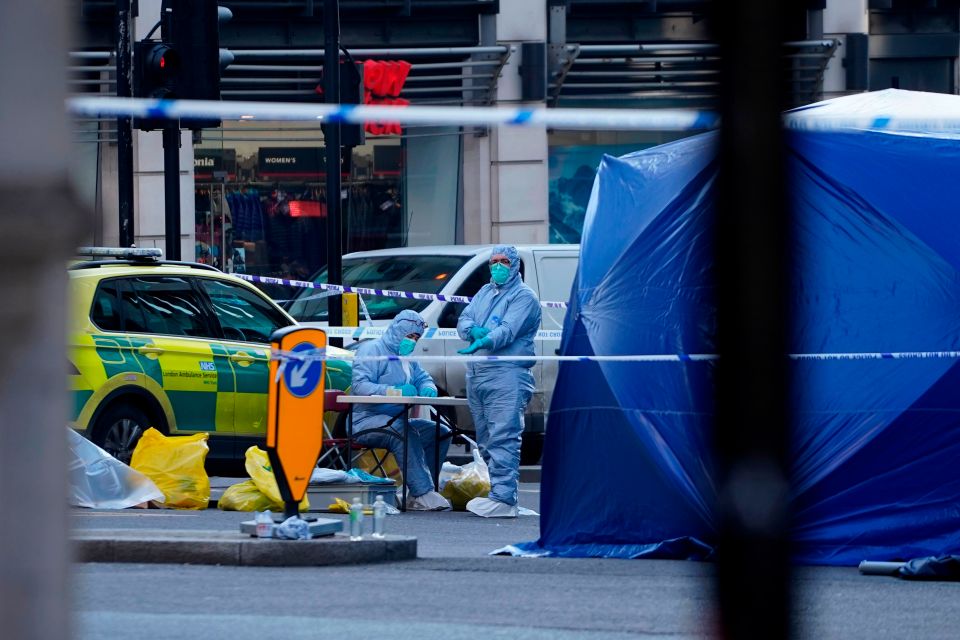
(381, 456)
(335, 449)
(354, 450)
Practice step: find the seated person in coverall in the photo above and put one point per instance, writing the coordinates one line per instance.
(373, 378)
(502, 319)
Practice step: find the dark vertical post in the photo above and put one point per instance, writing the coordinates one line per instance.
(752, 269)
(124, 126)
(171, 188)
(40, 223)
(331, 137)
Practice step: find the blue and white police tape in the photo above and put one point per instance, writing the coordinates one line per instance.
(932, 118)
(878, 355)
(432, 333)
(593, 119)
(389, 293)
(321, 354)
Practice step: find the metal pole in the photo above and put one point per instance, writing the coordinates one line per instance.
(331, 134)
(171, 189)
(124, 127)
(752, 251)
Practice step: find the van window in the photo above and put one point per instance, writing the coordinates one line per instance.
(556, 277)
(556, 274)
(452, 310)
(420, 274)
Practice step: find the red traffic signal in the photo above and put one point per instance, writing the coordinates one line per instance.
(155, 67)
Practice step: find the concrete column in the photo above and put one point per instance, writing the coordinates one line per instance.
(518, 156)
(148, 170)
(505, 188)
(840, 18)
(476, 189)
(39, 224)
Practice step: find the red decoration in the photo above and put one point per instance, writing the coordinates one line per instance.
(383, 80)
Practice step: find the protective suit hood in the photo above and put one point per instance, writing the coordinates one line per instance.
(511, 252)
(403, 323)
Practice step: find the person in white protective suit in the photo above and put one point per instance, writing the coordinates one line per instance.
(502, 319)
(375, 377)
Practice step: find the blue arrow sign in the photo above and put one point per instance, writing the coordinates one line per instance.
(302, 377)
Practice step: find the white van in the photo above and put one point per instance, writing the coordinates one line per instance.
(461, 270)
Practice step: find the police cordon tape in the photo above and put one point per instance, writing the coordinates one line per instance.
(432, 333)
(945, 120)
(321, 354)
(388, 293)
(593, 119)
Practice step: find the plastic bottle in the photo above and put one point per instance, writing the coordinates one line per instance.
(264, 524)
(356, 520)
(379, 517)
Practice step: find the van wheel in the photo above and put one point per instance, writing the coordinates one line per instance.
(119, 428)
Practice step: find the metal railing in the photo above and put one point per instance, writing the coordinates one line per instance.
(677, 72)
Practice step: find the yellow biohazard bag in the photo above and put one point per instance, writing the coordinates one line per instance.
(244, 496)
(257, 464)
(175, 464)
(472, 481)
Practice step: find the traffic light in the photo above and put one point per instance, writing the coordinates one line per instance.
(351, 92)
(194, 33)
(155, 69)
(186, 64)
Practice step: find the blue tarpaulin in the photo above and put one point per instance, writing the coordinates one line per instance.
(627, 468)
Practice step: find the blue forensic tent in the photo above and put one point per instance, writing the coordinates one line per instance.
(627, 470)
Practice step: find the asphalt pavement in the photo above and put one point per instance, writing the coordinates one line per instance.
(456, 590)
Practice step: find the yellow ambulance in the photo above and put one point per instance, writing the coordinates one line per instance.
(178, 346)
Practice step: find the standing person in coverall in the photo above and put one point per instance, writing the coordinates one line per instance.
(374, 378)
(502, 319)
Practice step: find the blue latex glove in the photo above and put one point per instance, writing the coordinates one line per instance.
(476, 345)
(477, 332)
(428, 392)
(408, 390)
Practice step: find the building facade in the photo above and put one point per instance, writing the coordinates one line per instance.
(253, 193)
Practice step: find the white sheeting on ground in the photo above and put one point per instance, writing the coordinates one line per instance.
(100, 481)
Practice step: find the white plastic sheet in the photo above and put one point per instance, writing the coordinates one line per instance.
(100, 481)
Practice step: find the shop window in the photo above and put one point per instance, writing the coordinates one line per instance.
(261, 201)
(573, 158)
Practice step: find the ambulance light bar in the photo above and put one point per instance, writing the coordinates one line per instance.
(131, 253)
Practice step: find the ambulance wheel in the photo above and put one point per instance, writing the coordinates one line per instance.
(118, 430)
